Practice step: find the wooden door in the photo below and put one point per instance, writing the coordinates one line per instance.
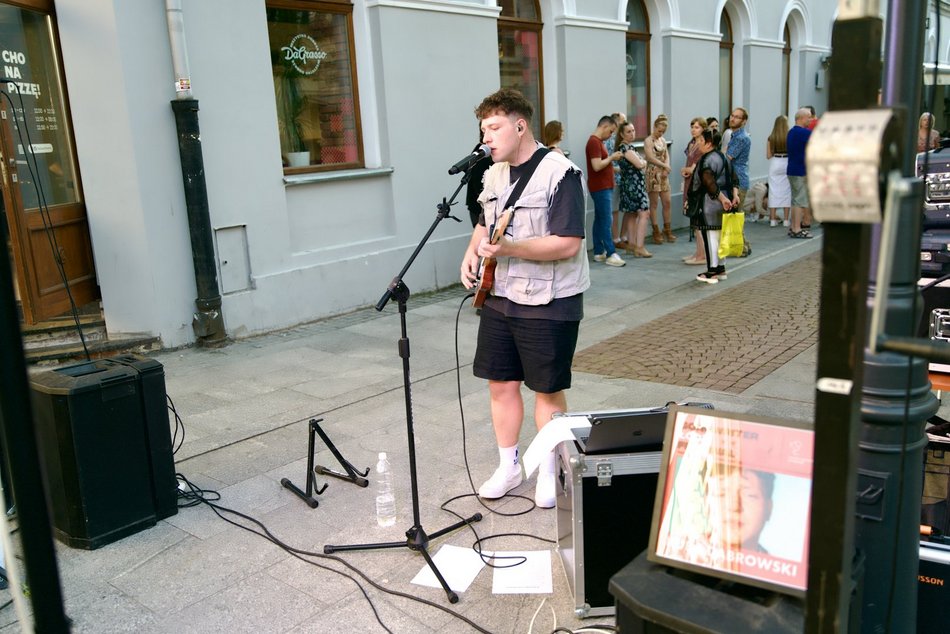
(42, 195)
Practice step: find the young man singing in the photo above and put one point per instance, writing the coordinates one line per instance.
(529, 322)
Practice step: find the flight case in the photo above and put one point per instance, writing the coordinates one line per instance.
(604, 510)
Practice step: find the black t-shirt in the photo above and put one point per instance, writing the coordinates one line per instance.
(565, 218)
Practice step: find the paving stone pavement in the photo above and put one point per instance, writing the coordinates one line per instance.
(728, 342)
(246, 407)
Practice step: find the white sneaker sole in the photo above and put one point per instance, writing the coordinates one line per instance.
(494, 490)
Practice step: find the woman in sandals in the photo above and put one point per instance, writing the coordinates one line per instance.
(634, 202)
(658, 178)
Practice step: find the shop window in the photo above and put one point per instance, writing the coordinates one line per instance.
(36, 99)
(314, 69)
(638, 67)
(519, 53)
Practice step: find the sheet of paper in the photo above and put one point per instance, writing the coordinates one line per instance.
(459, 566)
(555, 431)
(531, 577)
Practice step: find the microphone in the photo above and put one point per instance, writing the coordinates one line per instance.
(466, 163)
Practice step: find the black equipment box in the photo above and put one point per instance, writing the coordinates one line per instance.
(933, 575)
(655, 599)
(935, 317)
(937, 188)
(604, 510)
(605, 499)
(605, 505)
(103, 434)
(935, 252)
(933, 588)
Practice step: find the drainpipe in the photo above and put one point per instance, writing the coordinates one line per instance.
(208, 322)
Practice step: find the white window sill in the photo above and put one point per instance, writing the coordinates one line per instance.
(342, 175)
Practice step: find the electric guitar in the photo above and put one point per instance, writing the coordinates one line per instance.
(486, 266)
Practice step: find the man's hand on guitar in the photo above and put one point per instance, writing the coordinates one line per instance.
(469, 270)
(488, 250)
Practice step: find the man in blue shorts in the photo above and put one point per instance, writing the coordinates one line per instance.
(529, 323)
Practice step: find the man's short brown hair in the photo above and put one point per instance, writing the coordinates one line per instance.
(506, 101)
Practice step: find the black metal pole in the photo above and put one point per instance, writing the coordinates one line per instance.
(22, 455)
(416, 537)
(208, 322)
(855, 76)
(896, 400)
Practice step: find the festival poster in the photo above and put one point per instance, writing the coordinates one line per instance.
(735, 499)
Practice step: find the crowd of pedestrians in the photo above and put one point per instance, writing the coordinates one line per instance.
(631, 188)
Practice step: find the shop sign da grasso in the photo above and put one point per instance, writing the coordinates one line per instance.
(304, 54)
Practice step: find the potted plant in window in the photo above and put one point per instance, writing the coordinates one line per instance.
(291, 109)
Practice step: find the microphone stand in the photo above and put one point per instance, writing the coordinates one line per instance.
(416, 537)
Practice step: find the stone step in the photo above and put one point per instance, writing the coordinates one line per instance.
(64, 353)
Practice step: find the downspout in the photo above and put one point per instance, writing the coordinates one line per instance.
(208, 322)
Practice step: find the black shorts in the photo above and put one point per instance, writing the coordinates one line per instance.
(536, 351)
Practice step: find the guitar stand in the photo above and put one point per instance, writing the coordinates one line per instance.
(351, 475)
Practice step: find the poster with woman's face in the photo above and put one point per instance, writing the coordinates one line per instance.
(734, 499)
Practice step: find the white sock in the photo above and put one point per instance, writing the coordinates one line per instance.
(547, 463)
(508, 457)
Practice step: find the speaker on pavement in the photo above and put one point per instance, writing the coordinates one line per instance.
(103, 435)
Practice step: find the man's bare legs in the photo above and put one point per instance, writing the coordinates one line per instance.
(507, 410)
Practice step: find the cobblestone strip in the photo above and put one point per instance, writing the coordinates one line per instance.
(727, 342)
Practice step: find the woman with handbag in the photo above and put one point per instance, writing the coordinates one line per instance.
(714, 188)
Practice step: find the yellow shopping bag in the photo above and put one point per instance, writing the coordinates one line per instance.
(730, 242)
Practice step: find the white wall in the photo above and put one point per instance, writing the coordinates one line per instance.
(323, 247)
(116, 56)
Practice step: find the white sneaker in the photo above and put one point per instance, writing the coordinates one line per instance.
(615, 260)
(503, 480)
(600, 257)
(773, 223)
(750, 218)
(544, 491)
(786, 223)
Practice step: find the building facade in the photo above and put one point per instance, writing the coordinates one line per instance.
(327, 128)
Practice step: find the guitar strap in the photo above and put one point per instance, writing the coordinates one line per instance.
(526, 175)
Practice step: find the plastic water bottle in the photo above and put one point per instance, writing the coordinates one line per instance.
(385, 500)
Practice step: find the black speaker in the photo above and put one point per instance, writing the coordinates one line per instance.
(151, 389)
(103, 435)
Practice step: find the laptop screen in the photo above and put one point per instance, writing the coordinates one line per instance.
(734, 498)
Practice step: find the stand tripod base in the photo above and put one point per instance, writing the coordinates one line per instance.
(416, 539)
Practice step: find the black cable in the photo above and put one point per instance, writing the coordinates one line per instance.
(179, 425)
(44, 210)
(476, 546)
(934, 282)
(196, 496)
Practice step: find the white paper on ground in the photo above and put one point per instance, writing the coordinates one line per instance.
(459, 566)
(554, 431)
(531, 577)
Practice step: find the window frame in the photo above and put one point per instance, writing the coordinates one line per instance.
(345, 8)
(727, 45)
(645, 37)
(787, 63)
(512, 24)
